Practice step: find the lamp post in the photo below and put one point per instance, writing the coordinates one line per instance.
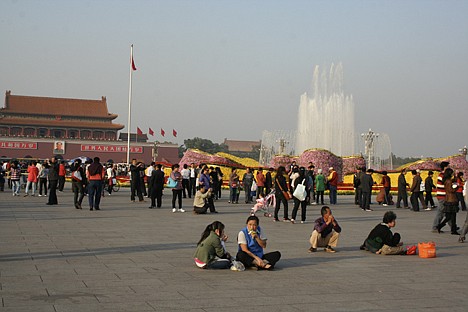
(463, 151)
(369, 150)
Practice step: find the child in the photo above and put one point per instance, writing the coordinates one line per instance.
(260, 205)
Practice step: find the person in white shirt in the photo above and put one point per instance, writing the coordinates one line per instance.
(185, 172)
(148, 173)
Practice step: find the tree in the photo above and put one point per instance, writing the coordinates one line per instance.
(204, 145)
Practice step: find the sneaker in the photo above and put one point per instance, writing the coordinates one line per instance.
(292, 221)
(312, 249)
(428, 209)
(302, 222)
(330, 249)
(174, 210)
(181, 210)
(314, 203)
(25, 195)
(287, 220)
(39, 195)
(369, 209)
(385, 205)
(275, 220)
(434, 207)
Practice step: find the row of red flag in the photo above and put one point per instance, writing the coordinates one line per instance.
(151, 132)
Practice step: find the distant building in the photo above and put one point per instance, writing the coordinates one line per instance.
(58, 118)
(40, 127)
(242, 146)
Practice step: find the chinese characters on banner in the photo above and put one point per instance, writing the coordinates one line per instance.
(19, 145)
(110, 148)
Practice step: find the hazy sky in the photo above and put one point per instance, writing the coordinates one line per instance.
(230, 69)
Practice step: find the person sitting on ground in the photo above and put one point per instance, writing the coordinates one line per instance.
(211, 252)
(200, 204)
(326, 232)
(381, 240)
(252, 241)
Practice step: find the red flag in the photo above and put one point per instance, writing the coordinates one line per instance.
(139, 132)
(131, 60)
(151, 132)
(162, 132)
(174, 133)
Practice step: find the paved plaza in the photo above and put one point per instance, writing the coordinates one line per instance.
(127, 257)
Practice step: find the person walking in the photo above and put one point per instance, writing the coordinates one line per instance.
(319, 186)
(33, 173)
(402, 193)
(15, 176)
(95, 175)
(301, 179)
(450, 203)
(157, 186)
(429, 186)
(53, 181)
(177, 190)
(77, 183)
(281, 191)
(43, 174)
(333, 182)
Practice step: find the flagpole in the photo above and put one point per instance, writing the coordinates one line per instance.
(129, 127)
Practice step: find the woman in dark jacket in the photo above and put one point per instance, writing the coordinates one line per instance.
(451, 202)
(302, 179)
(280, 186)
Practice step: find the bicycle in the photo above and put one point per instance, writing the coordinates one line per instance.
(115, 187)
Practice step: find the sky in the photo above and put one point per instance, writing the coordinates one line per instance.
(231, 69)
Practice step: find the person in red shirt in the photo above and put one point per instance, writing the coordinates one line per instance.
(62, 173)
(386, 183)
(33, 173)
(461, 187)
(260, 182)
(95, 175)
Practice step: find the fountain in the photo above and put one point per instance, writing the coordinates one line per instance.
(326, 118)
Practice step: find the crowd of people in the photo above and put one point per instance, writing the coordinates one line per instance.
(277, 187)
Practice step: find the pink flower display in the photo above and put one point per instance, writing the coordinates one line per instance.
(281, 160)
(322, 159)
(351, 163)
(457, 163)
(200, 157)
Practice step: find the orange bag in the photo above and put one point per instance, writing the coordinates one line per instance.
(427, 250)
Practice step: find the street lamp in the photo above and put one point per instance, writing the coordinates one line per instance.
(369, 150)
(463, 151)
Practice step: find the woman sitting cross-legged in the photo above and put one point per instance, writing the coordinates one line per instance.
(211, 252)
(251, 242)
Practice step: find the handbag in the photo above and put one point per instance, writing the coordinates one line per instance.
(254, 187)
(300, 191)
(171, 183)
(76, 175)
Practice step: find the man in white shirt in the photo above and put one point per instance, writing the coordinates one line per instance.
(148, 173)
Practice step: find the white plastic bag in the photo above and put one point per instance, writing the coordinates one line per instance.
(300, 191)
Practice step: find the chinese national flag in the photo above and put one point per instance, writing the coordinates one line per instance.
(162, 132)
(174, 133)
(150, 131)
(139, 132)
(132, 61)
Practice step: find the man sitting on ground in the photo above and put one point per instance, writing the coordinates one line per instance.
(326, 232)
(200, 204)
(382, 241)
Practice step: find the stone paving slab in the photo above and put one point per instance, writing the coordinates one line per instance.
(131, 258)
